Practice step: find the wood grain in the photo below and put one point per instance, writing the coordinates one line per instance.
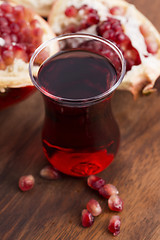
(52, 209)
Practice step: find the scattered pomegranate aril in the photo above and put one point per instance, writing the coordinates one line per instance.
(87, 218)
(95, 182)
(115, 203)
(26, 183)
(71, 11)
(94, 207)
(107, 190)
(114, 225)
(49, 172)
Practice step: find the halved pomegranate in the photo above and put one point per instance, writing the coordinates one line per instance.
(121, 23)
(21, 32)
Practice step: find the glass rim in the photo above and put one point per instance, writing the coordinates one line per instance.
(79, 100)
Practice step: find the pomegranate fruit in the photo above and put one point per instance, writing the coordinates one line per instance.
(21, 32)
(123, 24)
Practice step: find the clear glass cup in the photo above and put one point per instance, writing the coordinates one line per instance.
(77, 75)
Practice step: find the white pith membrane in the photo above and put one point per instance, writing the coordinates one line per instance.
(141, 78)
(17, 75)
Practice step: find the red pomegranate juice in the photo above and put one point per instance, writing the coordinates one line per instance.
(80, 137)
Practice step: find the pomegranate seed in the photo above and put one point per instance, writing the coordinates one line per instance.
(150, 40)
(18, 12)
(71, 28)
(87, 9)
(83, 25)
(2, 64)
(115, 203)
(6, 8)
(14, 38)
(95, 182)
(92, 19)
(152, 45)
(87, 218)
(6, 38)
(49, 172)
(8, 57)
(19, 52)
(3, 22)
(102, 27)
(22, 23)
(117, 11)
(37, 32)
(144, 30)
(14, 27)
(107, 190)
(10, 17)
(110, 34)
(26, 182)
(94, 207)
(34, 23)
(114, 225)
(71, 11)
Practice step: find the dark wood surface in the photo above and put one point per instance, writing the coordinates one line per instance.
(52, 209)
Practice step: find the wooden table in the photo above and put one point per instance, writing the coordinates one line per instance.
(52, 209)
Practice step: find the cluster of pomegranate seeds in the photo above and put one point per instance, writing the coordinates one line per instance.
(87, 218)
(112, 30)
(26, 183)
(21, 33)
(50, 173)
(107, 190)
(150, 40)
(88, 16)
(114, 225)
(94, 207)
(115, 203)
(93, 210)
(95, 182)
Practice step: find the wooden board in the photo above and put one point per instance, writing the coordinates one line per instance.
(52, 209)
